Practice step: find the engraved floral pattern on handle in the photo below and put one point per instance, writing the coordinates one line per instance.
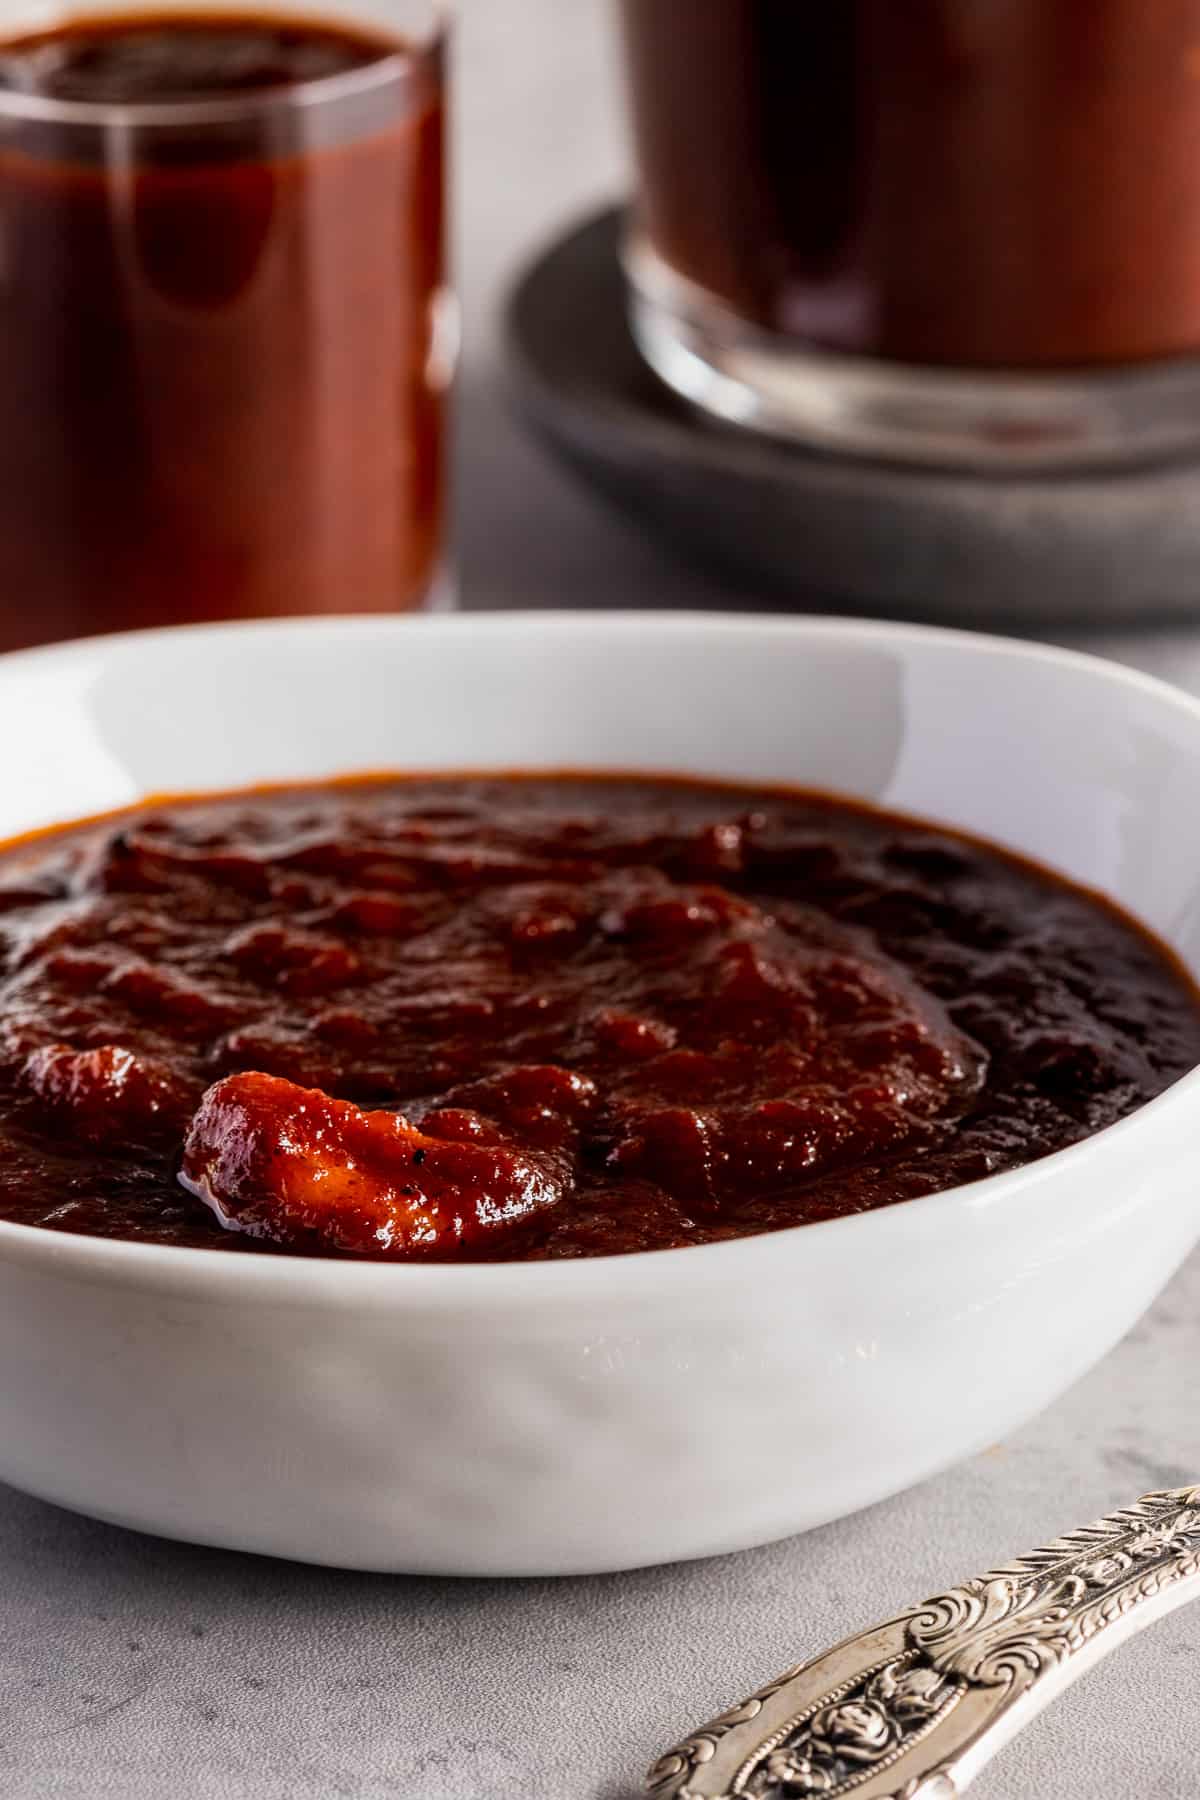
(849, 1738)
(989, 1642)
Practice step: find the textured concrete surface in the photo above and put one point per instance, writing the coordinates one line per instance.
(132, 1669)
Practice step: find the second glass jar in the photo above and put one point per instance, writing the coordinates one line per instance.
(1000, 200)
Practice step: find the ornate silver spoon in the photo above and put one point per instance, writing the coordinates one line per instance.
(913, 1709)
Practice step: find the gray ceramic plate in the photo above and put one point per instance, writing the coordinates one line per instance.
(836, 532)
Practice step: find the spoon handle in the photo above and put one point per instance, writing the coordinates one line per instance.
(914, 1708)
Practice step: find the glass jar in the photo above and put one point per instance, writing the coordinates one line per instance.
(928, 228)
(225, 335)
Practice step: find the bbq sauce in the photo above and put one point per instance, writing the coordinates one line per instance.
(495, 1018)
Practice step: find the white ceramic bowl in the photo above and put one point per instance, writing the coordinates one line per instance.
(543, 1417)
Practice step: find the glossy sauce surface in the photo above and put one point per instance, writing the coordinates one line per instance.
(511, 1017)
(141, 57)
(217, 370)
(1011, 184)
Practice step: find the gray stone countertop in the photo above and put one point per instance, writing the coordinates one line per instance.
(135, 1669)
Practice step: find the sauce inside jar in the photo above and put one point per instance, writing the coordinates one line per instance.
(219, 387)
(492, 1018)
(1009, 185)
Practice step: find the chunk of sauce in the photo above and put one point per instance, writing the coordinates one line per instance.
(545, 1016)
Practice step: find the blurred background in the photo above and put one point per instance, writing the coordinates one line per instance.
(539, 136)
(953, 275)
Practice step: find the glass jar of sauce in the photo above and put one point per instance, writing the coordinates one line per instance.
(942, 226)
(223, 319)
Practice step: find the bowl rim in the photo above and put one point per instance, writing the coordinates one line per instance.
(441, 1286)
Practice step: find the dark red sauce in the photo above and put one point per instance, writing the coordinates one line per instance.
(1009, 184)
(219, 393)
(514, 1017)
